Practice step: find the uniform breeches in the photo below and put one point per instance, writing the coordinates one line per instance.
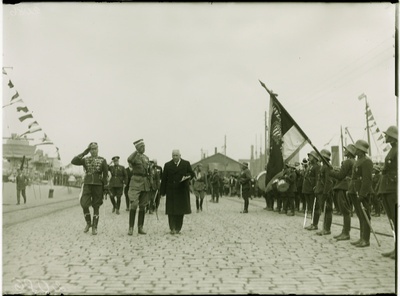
(115, 196)
(365, 230)
(390, 203)
(288, 201)
(215, 192)
(199, 194)
(92, 195)
(138, 198)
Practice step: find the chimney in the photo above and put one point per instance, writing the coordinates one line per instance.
(215, 149)
(252, 152)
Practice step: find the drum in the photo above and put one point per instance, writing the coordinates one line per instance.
(282, 185)
(260, 180)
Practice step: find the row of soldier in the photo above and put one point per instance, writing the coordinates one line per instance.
(356, 185)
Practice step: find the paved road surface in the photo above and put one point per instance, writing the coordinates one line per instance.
(219, 251)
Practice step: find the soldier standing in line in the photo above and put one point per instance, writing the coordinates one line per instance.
(128, 171)
(288, 197)
(117, 181)
(310, 181)
(139, 186)
(96, 173)
(388, 183)
(375, 200)
(324, 195)
(360, 189)
(244, 180)
(343, 176)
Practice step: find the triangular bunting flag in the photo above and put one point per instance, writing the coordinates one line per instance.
(22, 118)
(33, 124)
(380, 137)
(10, 84)
(14, 97)
(25, 109)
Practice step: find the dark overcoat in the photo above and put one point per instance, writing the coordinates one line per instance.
(177, 192)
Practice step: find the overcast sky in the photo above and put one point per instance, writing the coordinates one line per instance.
(185, 75)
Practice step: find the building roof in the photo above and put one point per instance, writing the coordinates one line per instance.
(221, 162)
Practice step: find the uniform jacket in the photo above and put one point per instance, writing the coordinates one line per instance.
(200, 182)
(177, 193)
(361, 177)
(96, 169)
(324, 181)
(343, 176)
(21, 181)
(156, 172)
(245, 179)
(215, 180)
(119, 176)
(388, 181)
(140, 179)
(310, 178)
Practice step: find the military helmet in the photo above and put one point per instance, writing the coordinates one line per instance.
(392, 132)
(351, 149)
(362, 145)
(313, 154)
(326, 154)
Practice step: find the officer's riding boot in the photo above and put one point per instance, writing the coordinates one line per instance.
(201, 204)
(132, 214)
(88, 222)
(328, 221)
(197, 205)
(361, 235)
(141, 221)
(366, 236)
(345, 235)
(95, 222)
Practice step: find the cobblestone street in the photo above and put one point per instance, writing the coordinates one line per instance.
(219, 251)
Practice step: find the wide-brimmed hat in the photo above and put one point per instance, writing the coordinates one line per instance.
(351, 149)
(313, 154)
(115, 158)
(392, 132)
(362, 145)
(326, 154)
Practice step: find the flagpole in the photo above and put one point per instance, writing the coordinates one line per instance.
(297, 126)
(366, 118)
(341, 140)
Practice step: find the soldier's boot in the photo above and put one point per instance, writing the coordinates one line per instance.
(389, 254)
(132, 214)
(366, 236)
(344, 236)
(197, 205)
(328, 222)
(88, 222)
(201, 204)
(95, 223)
(338, 235)
(141, 222)
(361, 236)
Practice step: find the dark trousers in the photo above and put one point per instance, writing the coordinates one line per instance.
(115, 197)
(19, 192)
(365, 231)
(269, 199)
(175, 222)
(345, 207)
(92, 195)
(310, 200)
(246, 195)
(389, 201)
(215, 193)
(324, 203)
(288, 201)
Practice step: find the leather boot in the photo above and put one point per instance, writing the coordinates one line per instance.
(339, 235)
(88, 222)
(94, 226)
(132, 214)
(141, 222)
(343, 236)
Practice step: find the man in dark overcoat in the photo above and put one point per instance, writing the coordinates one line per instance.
(175, 182)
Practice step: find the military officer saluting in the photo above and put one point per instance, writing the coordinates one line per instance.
(117, 181)
(360, 188)
(388, 183)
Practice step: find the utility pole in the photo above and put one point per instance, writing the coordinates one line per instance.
(225, 145)
(266, 138)
(341, 140)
